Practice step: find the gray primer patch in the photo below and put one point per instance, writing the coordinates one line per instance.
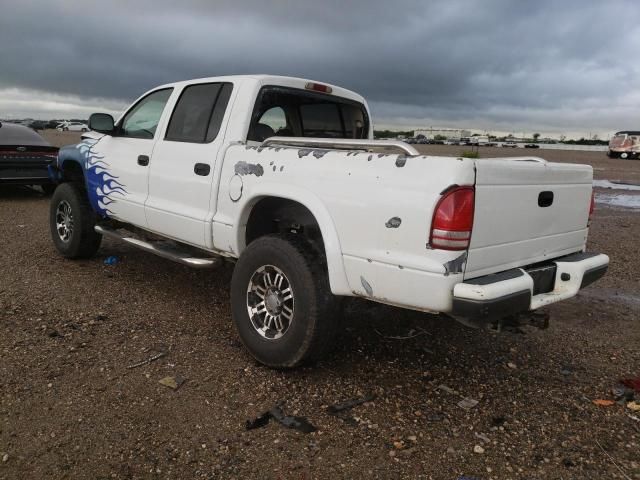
(303, 152)
(401, 161)
(282, 168)
(393, 222)
(456, 265)
(319, 153)
(370, 158)
(366, 286)
(244, 168)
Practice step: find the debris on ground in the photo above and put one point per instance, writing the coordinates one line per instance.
(603, 403)
(172, 382)
(483, 437)
(410, 334)
(478, 449)
(349, 404)
(623, 393)
(632, 383)
(634, 406)
(149, 360)
(297, 423)
(111, 260)
(467, 403)
(447, 389)
(5, 457)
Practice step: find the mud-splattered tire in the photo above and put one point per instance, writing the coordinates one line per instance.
(307, 319)
(72, 222)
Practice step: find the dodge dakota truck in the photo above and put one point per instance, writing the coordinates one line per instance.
(281, 176)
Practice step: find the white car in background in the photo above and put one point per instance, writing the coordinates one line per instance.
(73, 127)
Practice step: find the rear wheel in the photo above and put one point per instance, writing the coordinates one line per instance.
(282, 307)
(72, 222)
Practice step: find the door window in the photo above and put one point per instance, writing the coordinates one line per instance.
(142, 120)
(198, 113)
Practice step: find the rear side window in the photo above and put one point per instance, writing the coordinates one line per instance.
(198, 113)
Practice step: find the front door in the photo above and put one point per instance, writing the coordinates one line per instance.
(123, 159)
(182, 166)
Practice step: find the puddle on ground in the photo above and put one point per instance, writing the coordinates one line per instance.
(611, 295)
(613, 199)
(616, 185)
(619, 200)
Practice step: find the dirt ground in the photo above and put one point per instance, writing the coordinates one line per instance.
(70, 407)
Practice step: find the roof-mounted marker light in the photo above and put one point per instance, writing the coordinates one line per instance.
(318, 87)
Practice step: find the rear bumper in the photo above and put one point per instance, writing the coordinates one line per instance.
(514, 291)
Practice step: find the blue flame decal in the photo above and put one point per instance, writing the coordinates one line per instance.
(103, 188)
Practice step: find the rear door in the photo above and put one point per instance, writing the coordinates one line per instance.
(527, 211)
(183, 162)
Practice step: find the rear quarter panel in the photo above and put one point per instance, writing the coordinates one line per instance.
(374, 209)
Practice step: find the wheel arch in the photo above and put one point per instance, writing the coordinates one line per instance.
(321, 216)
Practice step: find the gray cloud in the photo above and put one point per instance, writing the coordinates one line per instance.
(546, 65)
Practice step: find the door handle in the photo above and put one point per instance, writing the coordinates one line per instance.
(143, 160)
(545, 199)
(202, 169)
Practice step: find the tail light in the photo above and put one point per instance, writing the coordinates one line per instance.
(592, 207)
(318, 87)
(453, 220)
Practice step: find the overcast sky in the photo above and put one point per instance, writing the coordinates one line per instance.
(552, 66)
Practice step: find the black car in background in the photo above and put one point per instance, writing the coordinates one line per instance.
(25, 157)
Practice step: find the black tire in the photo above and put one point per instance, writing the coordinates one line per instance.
(83, 241)
(315, 313)
(48, 188)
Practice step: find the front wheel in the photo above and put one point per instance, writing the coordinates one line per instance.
(282, 307)
(72, 222)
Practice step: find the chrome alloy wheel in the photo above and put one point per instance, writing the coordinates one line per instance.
(270, 302)
(64, 221)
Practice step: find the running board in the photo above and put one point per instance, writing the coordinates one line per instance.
(162, 251)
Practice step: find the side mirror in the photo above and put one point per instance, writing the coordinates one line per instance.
(101, 123)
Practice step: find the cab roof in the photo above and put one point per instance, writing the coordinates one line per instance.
(262, 79)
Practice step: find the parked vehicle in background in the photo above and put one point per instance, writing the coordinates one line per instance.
(39, 125)
(478, 140)
(282, 176)
(509, 144)
(73, 127)
(452, 141)
(531, 145)
(25, 157)
(625, 144)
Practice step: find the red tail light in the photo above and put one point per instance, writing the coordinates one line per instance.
(453, 220)
(592, 207)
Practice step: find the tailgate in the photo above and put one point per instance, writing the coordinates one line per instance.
(526, 211)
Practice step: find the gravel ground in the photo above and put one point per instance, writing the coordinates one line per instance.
(70, 407)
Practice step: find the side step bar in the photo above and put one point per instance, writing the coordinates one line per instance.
(162, 251)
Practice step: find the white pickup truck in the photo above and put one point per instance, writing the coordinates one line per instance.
(282, 174)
